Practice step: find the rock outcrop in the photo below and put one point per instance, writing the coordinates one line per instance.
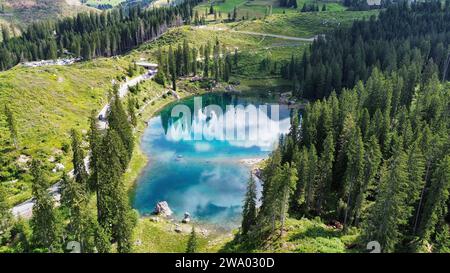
(187, 218)
(163, 209)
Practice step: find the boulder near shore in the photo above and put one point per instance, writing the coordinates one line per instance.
(162, 208)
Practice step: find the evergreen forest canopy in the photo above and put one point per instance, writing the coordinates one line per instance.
(90, 35)
(404, 39)
(375, 155)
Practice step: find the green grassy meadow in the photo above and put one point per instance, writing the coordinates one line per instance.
(104, 2)
(305, 24)
(260, 9)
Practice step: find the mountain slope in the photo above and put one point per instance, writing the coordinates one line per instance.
(23, 12)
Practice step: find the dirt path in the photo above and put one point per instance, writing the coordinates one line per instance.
(259, 34)
(25, 209)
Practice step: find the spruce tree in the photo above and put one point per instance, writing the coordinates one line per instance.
(95, 140)
(271, 174)
(310, 181)
(79, 167)
(131, 103)
(114, 213)
(44, 221)
(372, 161)
(249, 208)
(325, 172)
(74, 197)
(435, 207)
(353, 177)
(118, 121)
(416, 173)
(390, 210)
(172, 69)
(125, 223)
(301, 160)
(192, 244)
(110, 169)
(287, 182)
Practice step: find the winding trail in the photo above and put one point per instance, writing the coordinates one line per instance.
(260, 34)
(25, 209)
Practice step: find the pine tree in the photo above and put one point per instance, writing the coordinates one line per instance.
(44, 221)
(249, 209)
(271, 173)
(353, 177)
(194, 65)
(86, 52)
(118, 121)
(110, 169)
(126, 221)
(132, 110)
(287, 184)
(95, 140)
(372, 160)
(325, 173)
(390, 210)
(186, 58)
(192, 244)
(310, 181)
(74, 197)
(206, 61)
(435, 207)
(301, 160)
(12, 126)
(172, 69)
(416, 172)
(79, 167)
(365, 124)
(294, 131)
(114, 213)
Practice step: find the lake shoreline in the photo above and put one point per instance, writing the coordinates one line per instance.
(141, 159)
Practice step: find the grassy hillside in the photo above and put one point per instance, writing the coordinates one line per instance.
(161, 237)
(303, 236)
(47, 103)
(23, 12)
(260, 8)
(304, 24)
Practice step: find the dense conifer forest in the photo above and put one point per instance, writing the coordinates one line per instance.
(375, 154)
(90, 35)
(399, 41)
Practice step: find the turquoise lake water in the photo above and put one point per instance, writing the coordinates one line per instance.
(207, 175)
